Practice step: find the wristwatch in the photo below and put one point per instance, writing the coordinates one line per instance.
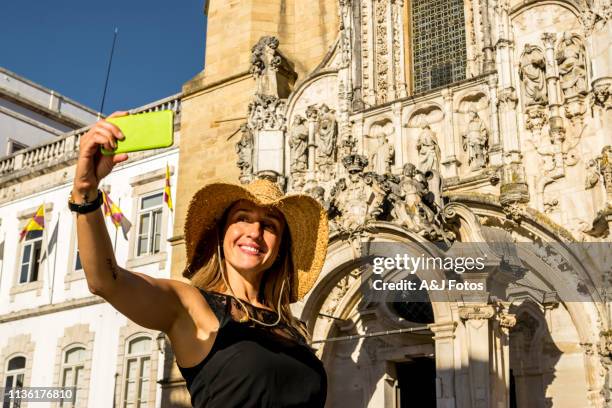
(86, 207)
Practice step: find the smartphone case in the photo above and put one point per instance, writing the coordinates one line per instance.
(143, 131)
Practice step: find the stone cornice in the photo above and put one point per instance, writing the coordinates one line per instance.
(48, 309)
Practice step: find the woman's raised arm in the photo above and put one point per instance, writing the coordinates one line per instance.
(149, 302)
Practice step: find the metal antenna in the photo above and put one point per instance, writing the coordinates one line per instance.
(110, 62)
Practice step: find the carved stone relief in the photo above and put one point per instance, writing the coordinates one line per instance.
(298, 146)
(326, 135)
(571, 59)
(337, 293)
(382, 51)
(592, 174)
(602, 94)
(358, 199)
(413, 204)
(605, 169)
(381, 150)
(244, 149)
(429, 150)
(476, 142)
(267, 113)
(533, 76)
(272, 72)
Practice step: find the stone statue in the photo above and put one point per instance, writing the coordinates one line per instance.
(413, 204)
(592, 174)
(326, 135)
(356, 200)
(265, 62)
(532, 73)
(429, 151)
(384, 156)
(298, 143)
(318, 193)
(571, 59)
(244, 149)
(429, 161)
(407, 202)
(475, 141)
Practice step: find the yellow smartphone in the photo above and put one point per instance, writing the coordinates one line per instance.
(143, 131)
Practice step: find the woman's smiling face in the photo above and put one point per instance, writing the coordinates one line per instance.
(252, 236)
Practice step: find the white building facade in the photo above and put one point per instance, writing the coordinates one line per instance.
(31, 114)
(53, 331)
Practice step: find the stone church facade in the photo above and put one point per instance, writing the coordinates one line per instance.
(456, 121)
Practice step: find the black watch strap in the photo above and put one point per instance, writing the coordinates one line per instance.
(86, 207)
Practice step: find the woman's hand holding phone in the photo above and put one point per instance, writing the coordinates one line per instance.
(92, 166)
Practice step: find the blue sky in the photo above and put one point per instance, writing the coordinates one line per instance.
(65, 44)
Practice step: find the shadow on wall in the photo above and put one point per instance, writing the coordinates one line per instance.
(533, 357)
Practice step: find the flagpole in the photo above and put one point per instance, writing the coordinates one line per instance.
(46, 244)
(110, 62)
(59, 214)
(116, 227)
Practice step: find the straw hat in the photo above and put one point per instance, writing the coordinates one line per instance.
(306, 221)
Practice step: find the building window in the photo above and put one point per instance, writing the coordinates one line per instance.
(150, 211)
(30, 257)
(73, 367)
(438, 43)
(15, 372)
(137, 373)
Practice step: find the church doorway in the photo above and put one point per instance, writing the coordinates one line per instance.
(416, 380)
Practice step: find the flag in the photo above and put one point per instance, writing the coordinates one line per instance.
(36, 223)
(114, 212)
(167, 192)
(52, 242)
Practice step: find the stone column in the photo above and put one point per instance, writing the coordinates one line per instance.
(507, 99)
(500, 372)
(312, 116)
(450, 161)
(601, 63)
(478, 33)
(476, 319)
(357, 57)
(402, 90)
(495, 152)
(391, 78)
(557, 131)
(444, 337)
(396, 108)
(488, 63)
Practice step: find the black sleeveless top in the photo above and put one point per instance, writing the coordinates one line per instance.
(251, 365)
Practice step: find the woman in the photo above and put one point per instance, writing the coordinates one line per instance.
(250, 252)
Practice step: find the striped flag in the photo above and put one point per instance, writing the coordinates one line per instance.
(36, 223)
(117, 217)
(167, 192)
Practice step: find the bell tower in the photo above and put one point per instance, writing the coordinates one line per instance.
(215, 102)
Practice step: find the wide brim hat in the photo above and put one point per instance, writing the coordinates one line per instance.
(305, 217)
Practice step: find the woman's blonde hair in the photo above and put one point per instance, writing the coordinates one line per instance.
(275, 283)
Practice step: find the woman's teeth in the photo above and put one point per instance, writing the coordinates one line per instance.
(250, 249)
